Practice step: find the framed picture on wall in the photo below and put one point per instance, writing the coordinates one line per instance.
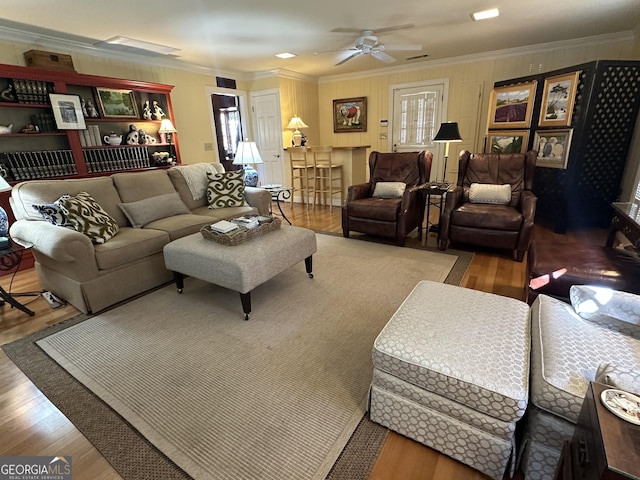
(117, 103)
(511, 106)
(558, 98)
(67, 111)
(350, 115)
(507, 141)
(553, 147)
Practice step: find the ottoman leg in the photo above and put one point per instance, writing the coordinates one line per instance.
(308, 263)
(179, 279)
(245, 298)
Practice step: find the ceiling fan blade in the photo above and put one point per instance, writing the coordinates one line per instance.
(344, 60)
(373, 30)
(402, 46)
(394, 28)
(346, 49)
(383, 57)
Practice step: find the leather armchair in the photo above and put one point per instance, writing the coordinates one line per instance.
(388, 217)
(500, 226)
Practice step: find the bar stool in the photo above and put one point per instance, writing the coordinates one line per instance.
(301, 170)
(327, 174)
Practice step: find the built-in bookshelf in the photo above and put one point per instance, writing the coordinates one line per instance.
(32, 146)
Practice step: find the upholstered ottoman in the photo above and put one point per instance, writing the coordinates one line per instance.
(240, 267)
(565, 355)
(451, 371)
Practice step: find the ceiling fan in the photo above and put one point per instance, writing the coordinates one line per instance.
(367, 43)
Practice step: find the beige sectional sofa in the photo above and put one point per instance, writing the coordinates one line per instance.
(94, 276)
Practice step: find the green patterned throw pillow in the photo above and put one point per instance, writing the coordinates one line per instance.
(88, 217)
(226, 189)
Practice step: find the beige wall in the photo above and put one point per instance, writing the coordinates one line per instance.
(312, 100)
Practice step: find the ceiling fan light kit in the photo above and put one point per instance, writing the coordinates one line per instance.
(367, 43)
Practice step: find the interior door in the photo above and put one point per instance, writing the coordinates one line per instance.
(265, 106)
(416, 113)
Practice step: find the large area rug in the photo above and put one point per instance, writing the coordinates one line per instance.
(171, 386)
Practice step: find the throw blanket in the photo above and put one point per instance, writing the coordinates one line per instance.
(196, 177)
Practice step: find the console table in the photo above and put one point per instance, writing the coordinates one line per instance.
(604, 447)
(626, 220)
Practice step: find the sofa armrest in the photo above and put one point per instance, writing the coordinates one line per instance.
(258, 198)
(58, 243)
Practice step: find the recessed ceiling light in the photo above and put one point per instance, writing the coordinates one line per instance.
(485, 14)
(141, 44)
(285, 55)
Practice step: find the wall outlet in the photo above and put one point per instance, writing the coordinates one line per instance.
(208, 147)
(383, 136)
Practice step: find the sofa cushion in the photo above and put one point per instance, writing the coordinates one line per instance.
(382, 209)
(87, 216)
(191, 182)
(52, 212)
(130, 245)
(621, 377)
(489, 193)
(497, 217)
(134, 186)
(180, 225)
(226, 189)
(225, 213)
(389, 190)
(619, 311)
(26, 194)
(149, 209)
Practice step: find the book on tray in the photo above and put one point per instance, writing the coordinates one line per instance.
(223, 226)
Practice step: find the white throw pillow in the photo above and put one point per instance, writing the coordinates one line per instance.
(389, 190)
(619, 311)
(489, 193)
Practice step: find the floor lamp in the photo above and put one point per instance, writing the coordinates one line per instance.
(448, 133)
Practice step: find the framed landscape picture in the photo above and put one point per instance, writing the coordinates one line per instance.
(557, 100)
(508, 141)
(553, 147)
(511, 106)
(350, 115)
(67, 111)
(117, 103)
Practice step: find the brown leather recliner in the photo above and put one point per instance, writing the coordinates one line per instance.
(490, 225)
(388, 217)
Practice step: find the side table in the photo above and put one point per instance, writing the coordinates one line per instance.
(430, 190)
(604, 447)
(10, 257)
(278, 193)
(626, 219)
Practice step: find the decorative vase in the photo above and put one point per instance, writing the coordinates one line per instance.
(250, 176)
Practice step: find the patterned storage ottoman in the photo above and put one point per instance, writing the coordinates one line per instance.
(451, 371)
(565, 355)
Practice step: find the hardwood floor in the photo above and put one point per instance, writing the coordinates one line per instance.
(31, 425)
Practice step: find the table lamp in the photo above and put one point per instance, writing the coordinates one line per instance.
(4, 220)
(246, 155)
(166, 127)
(448, 133)
(297, 140)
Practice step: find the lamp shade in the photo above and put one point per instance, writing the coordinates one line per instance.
(247, 152)
(448, 133)
(297, 123)
(167, 127)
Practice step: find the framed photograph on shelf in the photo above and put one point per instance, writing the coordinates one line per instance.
(558, 98)
(350, 115)
(116, 103)
(511, 106)
(553, 147)
(507, 141)
(67, 111)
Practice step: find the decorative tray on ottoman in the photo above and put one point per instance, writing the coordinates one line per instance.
(241, 234)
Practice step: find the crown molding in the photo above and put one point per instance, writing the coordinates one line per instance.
(71, 45)
(280, 73)
(494, 55)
